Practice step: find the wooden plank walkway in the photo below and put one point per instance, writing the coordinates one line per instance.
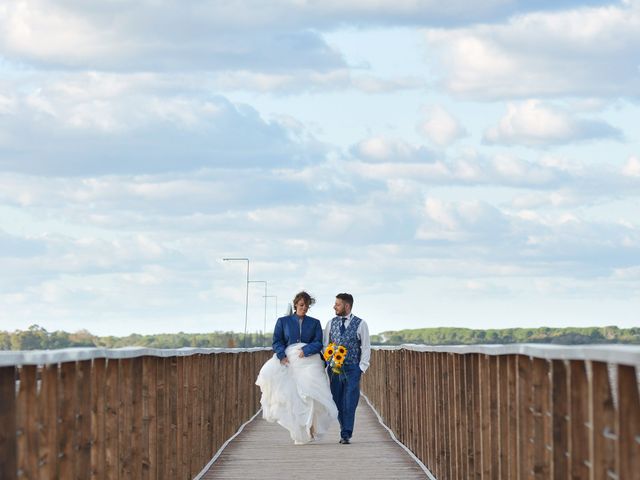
(265, 450)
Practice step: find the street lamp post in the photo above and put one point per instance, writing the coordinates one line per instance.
(265, 325)
(246, 301)
(265, 300)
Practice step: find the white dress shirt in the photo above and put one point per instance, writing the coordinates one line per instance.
(363, 336)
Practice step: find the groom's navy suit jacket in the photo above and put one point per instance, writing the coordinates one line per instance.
(288, 332)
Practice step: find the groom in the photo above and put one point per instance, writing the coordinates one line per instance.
(351, 332)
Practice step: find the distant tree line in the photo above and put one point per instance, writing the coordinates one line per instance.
(37, 338)
(467, 336)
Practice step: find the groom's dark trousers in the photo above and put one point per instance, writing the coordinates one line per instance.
(345, 389)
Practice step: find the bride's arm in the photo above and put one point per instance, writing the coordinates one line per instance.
(279, 342)
(315, 345)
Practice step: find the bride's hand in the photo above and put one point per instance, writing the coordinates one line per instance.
(301, 354)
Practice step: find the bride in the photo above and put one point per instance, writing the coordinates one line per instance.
(294, 383)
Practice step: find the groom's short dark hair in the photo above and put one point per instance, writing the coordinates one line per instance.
(346, 298)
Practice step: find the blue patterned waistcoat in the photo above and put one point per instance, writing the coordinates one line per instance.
(349, 339)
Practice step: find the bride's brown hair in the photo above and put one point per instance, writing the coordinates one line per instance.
(308, 299)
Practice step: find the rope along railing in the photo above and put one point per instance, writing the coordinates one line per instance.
(512, 412)
(130, 413)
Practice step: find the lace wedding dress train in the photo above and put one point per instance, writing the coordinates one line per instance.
(297, 396)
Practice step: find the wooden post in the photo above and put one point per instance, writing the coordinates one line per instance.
(125, 420)
(435, 413)
(66, 424)
(149, 418)
(541, 434)
(602, 417)
(48, 419)
(628, 423)
(477, 417)
(8, 443)
(111, 400)
(163, 424)
(512, 439)
(97, 380)
(202, 409)
(485, 417)
(135, 427)
(442, 461)
(172, 444)
(560, 407)
(397, 392)
(503, 415)
(82, 429)
(218, 376)
(580, 462)
(432, 446)
(454, 414)
(463, 408)
(408, 380)
(210, 406)
(525, 427)
(423, 437)
(494, 417)
(26, 431)
(470, 414)
(195, 421)
(183, 414)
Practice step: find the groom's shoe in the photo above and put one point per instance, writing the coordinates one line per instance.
(345, 441)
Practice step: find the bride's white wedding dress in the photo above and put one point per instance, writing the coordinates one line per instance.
(297, 396)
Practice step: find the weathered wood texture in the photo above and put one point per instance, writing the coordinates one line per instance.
(132, 418)
(265, 450)
(475, 415)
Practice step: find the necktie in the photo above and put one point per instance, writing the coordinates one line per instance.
(342, 327)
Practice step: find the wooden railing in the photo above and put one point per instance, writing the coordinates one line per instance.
(123, 413)
(512, 412)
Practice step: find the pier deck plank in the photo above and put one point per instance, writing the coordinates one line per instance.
(265, 450)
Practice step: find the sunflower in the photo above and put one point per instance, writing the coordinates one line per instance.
(342, 350)
(328, 353)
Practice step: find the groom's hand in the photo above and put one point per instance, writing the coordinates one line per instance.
(301, 354)
(284, 361)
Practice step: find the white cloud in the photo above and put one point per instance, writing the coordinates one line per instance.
(125, 176)
(630, 273)
(102, 123)
(195, 197)
(584, 51)
(155, 37)
(560, 198)
(294, 81)
(557, 243)
(20, 246)
(535, 124)
(211, 35)
(503, 170)
(148, 261)
(460, 221)
(373, 84)
(440, 127)
(632, 167)
(382, 149)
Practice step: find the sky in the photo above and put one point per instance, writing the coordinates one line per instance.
(449, 164)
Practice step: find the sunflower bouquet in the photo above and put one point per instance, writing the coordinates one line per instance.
(335, 355)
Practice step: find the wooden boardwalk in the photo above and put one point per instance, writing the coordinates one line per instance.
(265, 450)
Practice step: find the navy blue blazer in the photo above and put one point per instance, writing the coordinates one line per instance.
(288, 332)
